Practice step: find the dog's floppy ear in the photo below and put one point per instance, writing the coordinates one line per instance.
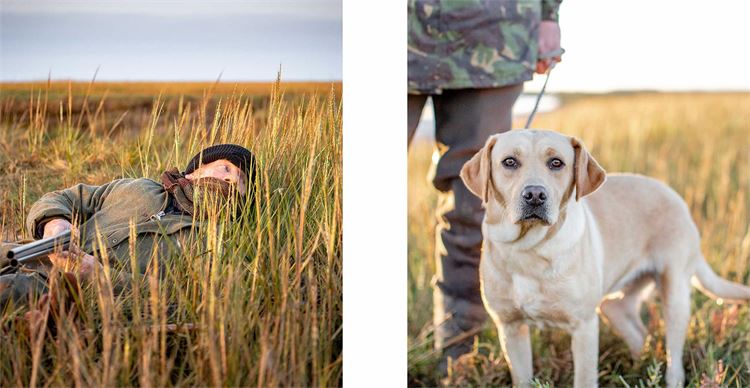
(476, 172)
(588, 175)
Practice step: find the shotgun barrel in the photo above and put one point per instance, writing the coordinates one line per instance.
(33, 251)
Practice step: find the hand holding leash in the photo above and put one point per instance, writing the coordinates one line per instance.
(549, 49)
(551, 58)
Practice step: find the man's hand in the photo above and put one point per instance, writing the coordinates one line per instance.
(549, 42)
(74, 259)
(56, 226)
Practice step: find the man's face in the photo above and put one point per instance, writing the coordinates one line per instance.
(221, 169)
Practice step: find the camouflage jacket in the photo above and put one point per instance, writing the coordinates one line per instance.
(467, 44)
(105, 213)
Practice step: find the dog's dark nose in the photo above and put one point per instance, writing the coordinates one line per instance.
(534, 195)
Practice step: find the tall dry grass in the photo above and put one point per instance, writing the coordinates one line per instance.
(100, 88)
(263, 308)
(700, 145)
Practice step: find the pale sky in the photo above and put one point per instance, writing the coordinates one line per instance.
(649, 44)
(170, 40)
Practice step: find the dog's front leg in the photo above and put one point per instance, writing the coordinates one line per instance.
(586, 353)
(514, 338)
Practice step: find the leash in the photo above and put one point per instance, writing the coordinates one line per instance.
(551, 54)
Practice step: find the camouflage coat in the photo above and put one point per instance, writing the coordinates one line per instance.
(467, 44)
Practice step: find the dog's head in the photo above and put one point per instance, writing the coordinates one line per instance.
(527, 177)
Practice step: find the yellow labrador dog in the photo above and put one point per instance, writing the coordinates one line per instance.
(562, 238)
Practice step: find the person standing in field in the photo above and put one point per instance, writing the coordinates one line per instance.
(471, 57)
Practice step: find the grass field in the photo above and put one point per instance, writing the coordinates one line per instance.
(268, 313)
(697, 143)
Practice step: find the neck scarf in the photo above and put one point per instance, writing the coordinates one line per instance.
(184, 193)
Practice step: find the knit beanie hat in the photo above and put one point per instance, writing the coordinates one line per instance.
(238, 155)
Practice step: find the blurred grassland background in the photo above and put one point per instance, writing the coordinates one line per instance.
(698, 143)
(269, 312)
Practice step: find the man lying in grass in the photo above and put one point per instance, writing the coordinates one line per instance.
(160, 215)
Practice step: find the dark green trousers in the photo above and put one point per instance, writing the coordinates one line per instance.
(464, 119)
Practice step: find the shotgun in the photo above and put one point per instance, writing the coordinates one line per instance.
(31, 252)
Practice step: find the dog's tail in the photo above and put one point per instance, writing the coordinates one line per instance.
(713, 285)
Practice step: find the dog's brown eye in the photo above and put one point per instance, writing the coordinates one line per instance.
(555, 164)
(510, 163)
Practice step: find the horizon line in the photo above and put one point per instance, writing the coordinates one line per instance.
(95, 81)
